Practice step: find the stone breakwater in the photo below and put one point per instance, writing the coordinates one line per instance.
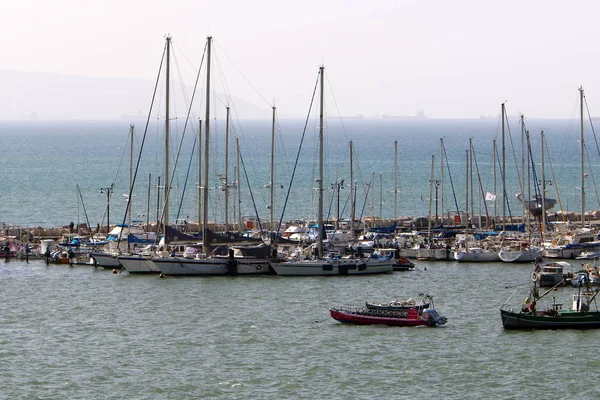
(406, 223)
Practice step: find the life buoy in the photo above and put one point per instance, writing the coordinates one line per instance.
(258, 267)
(534, 276)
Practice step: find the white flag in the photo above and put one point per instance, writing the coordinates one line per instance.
(490, 196)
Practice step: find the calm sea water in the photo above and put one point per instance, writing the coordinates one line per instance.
(78, 332)
(43, 163)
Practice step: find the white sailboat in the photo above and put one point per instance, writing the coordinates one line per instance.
(203, 264)
(329, 265)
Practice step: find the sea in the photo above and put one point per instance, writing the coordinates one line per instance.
(78, 332)
(55, 172)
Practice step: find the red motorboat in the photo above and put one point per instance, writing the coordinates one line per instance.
(366, 316)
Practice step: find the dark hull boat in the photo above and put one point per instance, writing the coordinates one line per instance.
(579, 316)
(567, 319)
(365, 316)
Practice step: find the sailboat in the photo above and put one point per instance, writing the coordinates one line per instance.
(328, 265)
(204, 264)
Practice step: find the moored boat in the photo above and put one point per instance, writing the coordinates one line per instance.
(532, 316)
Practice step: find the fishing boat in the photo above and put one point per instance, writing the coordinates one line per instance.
(533, 316)
(580, 316)
(366, 316)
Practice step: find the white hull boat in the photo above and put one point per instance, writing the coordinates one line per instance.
(476, 254)
(105, 260)
(211, 266)
(327, 267)
(520, 256)
(138, 265)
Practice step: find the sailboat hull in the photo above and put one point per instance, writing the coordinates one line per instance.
(211, 266)
(332, 267)
(138, 265)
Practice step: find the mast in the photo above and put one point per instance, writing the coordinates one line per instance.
(227, 171)
(321, 160)
(199, 186)
(523, 167)
(543, 224)
(130, 182)
(272, 186)
(352, 190)
(467, 190)
(167, 140)
(582, 157)
(431, 183)
(495, 182)
(503, 171)
(237, 181)
(441, 182)
(396, 180)
(206, 149)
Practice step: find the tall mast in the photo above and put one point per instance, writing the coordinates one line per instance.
(582, 157)
(237, 182)
(431, 183)
(206, 149)
(352, 190)
(167, 140)
(441, 183)
(467, 190)
(495, 182)
(130, 182)
(272, 186)
(227, 171)
(321, 160)
(503, 172)
(199, 187)
(395, 180)
(523, 166)
(543, 224)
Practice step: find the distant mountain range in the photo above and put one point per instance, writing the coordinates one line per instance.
(51, 96)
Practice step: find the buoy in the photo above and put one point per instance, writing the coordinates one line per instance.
(424, 268)
(161, 275)
(114, 271)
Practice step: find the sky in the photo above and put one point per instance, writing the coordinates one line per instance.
(451, 59)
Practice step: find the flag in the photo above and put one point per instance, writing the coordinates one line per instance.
(490, 196)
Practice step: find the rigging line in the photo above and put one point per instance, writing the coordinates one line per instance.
(251, 194)
(240, 72)
(555, 182)
(83, 206)
(487, 215)
(186, 177)
(591, 124)
(362, 211)
(587, 156)
(287, 196)
(137, 166)
(502, 177)
(512, 147)
(110, 192)
(451, 182)
(187, 120)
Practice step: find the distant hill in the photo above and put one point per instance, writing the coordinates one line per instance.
(50, 96)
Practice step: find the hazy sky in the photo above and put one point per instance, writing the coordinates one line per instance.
(449, 58)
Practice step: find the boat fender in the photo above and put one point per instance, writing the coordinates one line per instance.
(534, 276)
